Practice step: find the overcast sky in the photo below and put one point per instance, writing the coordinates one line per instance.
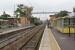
(39, 5)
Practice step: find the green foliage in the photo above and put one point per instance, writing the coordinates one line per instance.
(4, 15)
(35, 21)
(73, 9)
(23, 10)
(62, 13)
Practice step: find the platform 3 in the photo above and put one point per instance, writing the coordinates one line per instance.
(48, 41)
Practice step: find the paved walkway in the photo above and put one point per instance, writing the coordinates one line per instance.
(45, 42)
(64, 41)
(48, 41)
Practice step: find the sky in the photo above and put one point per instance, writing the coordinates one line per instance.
(38, 6)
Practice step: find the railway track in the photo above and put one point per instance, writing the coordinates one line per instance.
(7, 38)
(22, 38)
(33, 44)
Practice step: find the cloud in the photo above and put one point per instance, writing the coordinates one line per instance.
(38, 5)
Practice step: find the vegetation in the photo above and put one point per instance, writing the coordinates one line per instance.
(73, 9)
(23, 10)
(62, 13)
(4, 15)
(35, 21)
(26, 11)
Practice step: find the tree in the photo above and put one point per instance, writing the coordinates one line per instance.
(35, 21)
(4, 15)
(62, 13)
(73, 9)
(23, 10)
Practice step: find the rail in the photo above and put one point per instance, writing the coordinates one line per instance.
(20, 40)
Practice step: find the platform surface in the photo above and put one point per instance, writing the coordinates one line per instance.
(5, 31)
(45, 42)
(48, 41)
(65, 41)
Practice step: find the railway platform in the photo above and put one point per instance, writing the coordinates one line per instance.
(48, 41)
(5, 31)
(65, 41)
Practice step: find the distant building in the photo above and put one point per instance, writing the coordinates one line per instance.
(53, 19)
(22, 21)
(4, 23)
(8, 22)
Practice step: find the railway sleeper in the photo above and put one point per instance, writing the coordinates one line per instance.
(18, 43)
(33, 43)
